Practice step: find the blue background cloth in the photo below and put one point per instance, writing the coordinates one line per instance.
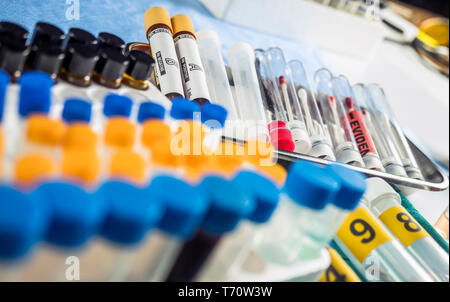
(125, 19)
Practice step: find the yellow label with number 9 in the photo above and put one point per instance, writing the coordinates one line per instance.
(403, 225)
(362, 233)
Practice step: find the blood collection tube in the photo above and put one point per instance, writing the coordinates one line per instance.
(109, 40)
(192, 71)
(228, 205)
(289, 100)
(109, 70)
(159, 33)
(385, 203)
(344, 94)
(46, 49)
(23, 222)
(232, 250)
(308, 190)
(249, 103)
(319, 136)
(339, 270)
(139, 70)
(389, 156)
(442, 225)
(374, 252)
(13, 49)
(213, 118)
(398, 138)
(219, 88)
(335, 118)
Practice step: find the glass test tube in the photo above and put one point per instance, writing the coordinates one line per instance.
(249, 103)
(318, 133)
(289, 100)
(385, 203)
(335, 118)
(374, 252)
(398, 138)
(363, 138)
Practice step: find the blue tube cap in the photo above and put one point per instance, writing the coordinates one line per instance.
(23, 222)
(150, 110)
(353, 186)
(185, 206)
(117, 105)
(214, 116)
(183, 109)
(310, 185)
(35, 93)
(228, 205)
(4, 81)
(77, 110)
(131, 212)
(76, 214)
(265, 193)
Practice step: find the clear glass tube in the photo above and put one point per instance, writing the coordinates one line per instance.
(398, 137)
(334, 117)
(319, 136)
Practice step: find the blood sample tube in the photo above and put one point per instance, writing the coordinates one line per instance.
(442, 225)
(23, 223)
(192, 71)
(319, 136)
(159, 33)
(398, 138)
(335, 118)
(13, 51)
(139, 70)
(228, 205)
(344, 94)
(108, 40)
(385, 203)
(249, 103)
(219, 88)
(389, 156)
(289, 100)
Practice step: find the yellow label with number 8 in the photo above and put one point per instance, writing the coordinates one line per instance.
(361, 233)
(402, 225)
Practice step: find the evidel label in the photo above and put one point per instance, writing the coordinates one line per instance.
(360, 133)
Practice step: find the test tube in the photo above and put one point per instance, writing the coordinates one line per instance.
(192, 71)
(228, 205)
(339, 270)
(388, 154)
(23, 223)
(334, 116)
(210, 50)
(319, 136)
(374, 252)
(139, 70)
(289, 99)
(13, 49)
(385, 203)
(307, 191)
(159, 33)
(213, 118)
(344, 94)
(249, 103)
(398, 138)
(232, 250)
(442, 225)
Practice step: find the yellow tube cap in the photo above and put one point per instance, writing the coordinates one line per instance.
(228, 158)
(31, 168)
(259, 152)
(44, 130)
(154, 16)
(153, 132)
(128, 165)
(80, 137)
(182, 23)
(275, 172)
(120, 133)
(161, 155)
(83, 166)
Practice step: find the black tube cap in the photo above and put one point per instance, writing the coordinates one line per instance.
(107, 40)
(13, 33)
(80, 60)
(111, 64)
(13, 50)
(141, 65)
(78, 36)
(46, 34)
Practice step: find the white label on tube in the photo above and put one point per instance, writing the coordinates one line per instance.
(192, 71)
(166, 61)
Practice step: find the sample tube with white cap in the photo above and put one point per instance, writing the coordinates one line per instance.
(398, 138)
(344, 94)
(249, 103)
(290, 103)
(318, 133)
(385, 203)
(335, 118)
